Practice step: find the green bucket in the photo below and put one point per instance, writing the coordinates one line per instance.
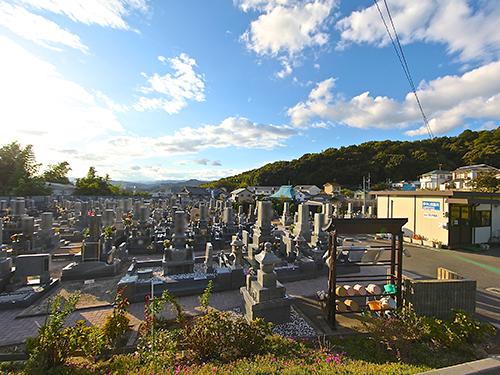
(390, 288)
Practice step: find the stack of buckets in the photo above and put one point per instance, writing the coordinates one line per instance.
(359, 290)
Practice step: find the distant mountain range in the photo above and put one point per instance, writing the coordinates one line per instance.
(159, 185)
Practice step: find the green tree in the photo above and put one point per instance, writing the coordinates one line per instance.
(92, 184)
(18, 171)
(95, 185)
(486, 182)
(57, 173)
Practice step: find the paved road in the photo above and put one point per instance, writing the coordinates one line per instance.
(484, 267)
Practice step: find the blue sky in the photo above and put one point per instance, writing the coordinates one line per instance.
(151, 90)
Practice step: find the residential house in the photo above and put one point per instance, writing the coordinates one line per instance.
(434, 179)
(266, 191)
(332, 188)
(310, 189)
(190, 193)
(61, 189)
(367, 194)
(461, 177)
(240, 195)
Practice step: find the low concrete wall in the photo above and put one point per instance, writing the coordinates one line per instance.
(436, 297)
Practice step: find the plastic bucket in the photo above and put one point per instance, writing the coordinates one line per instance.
(360, 290)
(351, 305)
(390, 288)
(350, 290)
(374, 305)
(340, 291)
(373, 289)
(340, 306)
(387, 303)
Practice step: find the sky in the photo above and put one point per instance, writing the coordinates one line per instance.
(147, 90)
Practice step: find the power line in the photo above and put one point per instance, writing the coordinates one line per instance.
(402, 60)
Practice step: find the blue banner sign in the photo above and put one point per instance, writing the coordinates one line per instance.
(431, 206)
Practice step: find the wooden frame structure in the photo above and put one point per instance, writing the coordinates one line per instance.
(365, 226)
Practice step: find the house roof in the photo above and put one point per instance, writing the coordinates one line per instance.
(437, 171)
(194, 190)
(240, 190)
(285, 191)
(475, 167)
(332, 184)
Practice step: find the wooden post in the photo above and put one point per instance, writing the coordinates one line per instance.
(332, 277)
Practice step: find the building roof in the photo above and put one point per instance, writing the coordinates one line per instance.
(285, 191)
(475, 167)
(240, 190)
(408, 187)
(332, 184)
(437, 171)
(194, 190)
(304, 187)
(437, 193)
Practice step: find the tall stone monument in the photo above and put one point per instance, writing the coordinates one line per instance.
(262, 229)
(264, 296)
(179, 257)
(91, 248)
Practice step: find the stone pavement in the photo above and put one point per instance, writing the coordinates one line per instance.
(16, 330)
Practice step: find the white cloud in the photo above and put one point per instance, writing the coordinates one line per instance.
(239, 132)
(448, 103)
(178, 88)
(37, 28)
(205, 174)
(202, 161)
(287, 28)
(106, 13)
(472, 34)
(115, 107)
(39, 107)
(216, 163)
(261, 5)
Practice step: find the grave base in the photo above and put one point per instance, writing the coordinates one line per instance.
(276, 311)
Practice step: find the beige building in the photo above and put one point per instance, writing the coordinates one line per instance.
(332, 188)
(456, 218)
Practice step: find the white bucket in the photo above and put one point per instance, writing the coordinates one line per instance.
(387, 303)
(373, 289)
(360, 290)
(350, 290)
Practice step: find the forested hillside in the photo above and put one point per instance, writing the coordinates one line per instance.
(393, 160)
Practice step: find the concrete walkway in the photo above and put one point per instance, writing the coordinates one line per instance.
(16, 329)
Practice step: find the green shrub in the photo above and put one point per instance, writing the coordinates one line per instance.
(163, 351)
(222, 336)
(53, 345)
(460, 330)
(91, 340)
(117, 322)
(395, 331)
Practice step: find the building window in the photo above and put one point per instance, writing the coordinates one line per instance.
(482, 218)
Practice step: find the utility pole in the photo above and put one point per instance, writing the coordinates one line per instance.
(364, 196)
